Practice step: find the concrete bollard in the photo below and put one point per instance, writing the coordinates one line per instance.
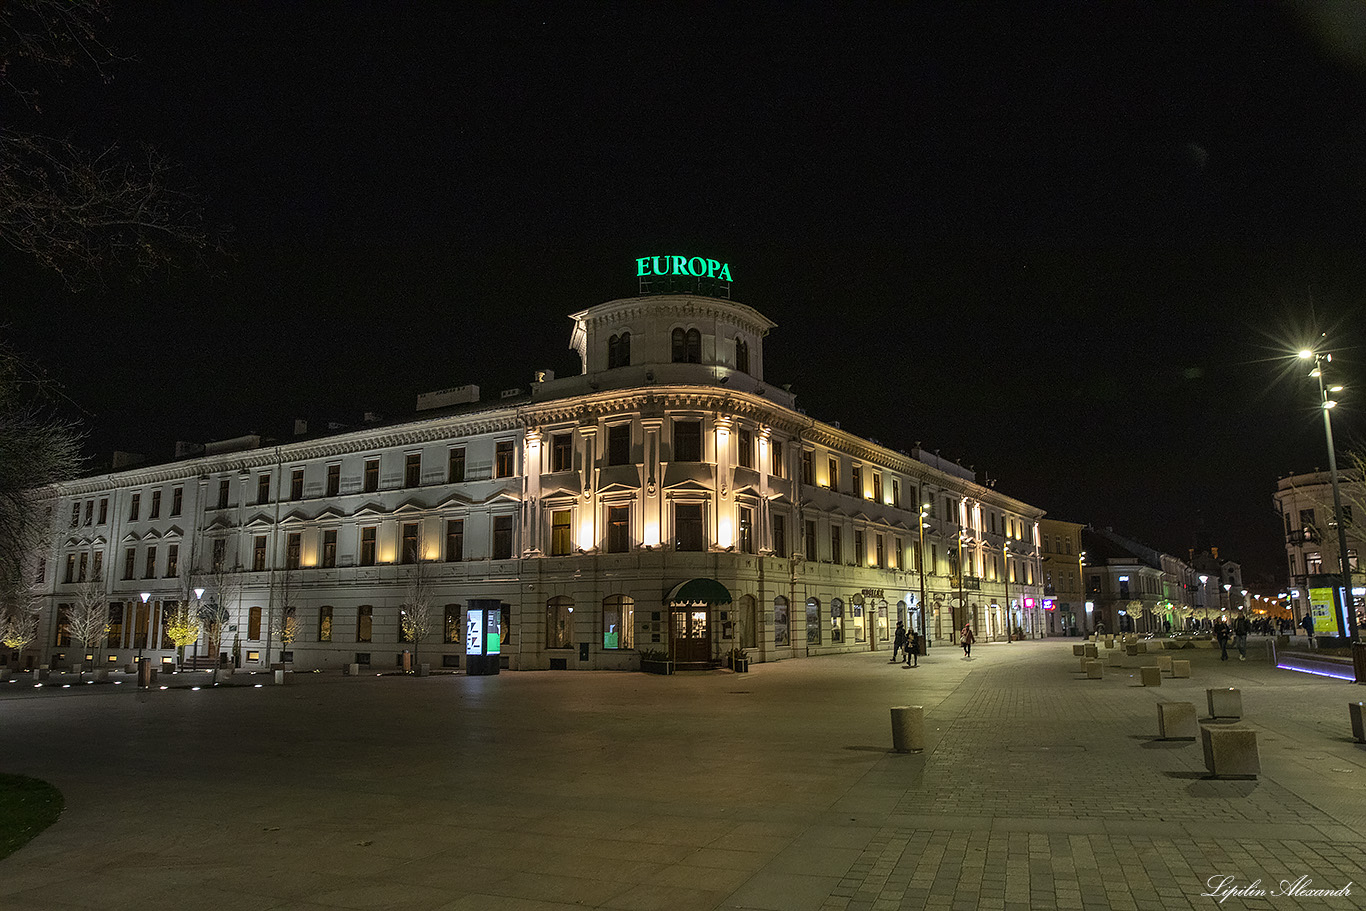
(1131, 649)
(1164, 663)
(1225, 702)
(1181, 667)
(353, 670)
(1356, 710)
(1115, 658)
(279, 675)
(1230, 752)
(908, 728)
(1151, 675)
(1176, 721)
(1091, 652)
(1085, 663)
(1079, 651)
(1094, 669)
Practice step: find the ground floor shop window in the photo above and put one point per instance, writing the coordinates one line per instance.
(781, 632)
(813, 621)
(450, 628)
(618, 622)
(836, 620)
(364, 623)
(559, 614)
(325, 624)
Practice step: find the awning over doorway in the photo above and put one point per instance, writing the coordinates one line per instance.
(707, 591)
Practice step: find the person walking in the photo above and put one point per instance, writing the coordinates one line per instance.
(1221, 632)
(1308, 623)
(1240, 630)
(967, 638)
(913, 649)
(899, 642)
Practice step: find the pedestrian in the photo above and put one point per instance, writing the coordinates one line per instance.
(1221, 632)
(1240, 630)
(1308, 623)
(967, 638)
(1100, 628)
(899, 642)
(913, 649)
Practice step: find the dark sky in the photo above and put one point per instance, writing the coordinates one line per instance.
(1069, 245)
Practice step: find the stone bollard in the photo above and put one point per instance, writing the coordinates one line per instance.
(279, 675)
(424, 670)
(908, 728)
(1176, 721)
(1164, 663)
(1151, 675)
(1085, 663)
(1115, 658)
(1230, 752)
(353, 670)
(1109, 641)
(1094, 669)
(1181, 667)
(1079, 651)
(1131, 649)
(1355, 710)
(101, 674)
(1225, 702)
(1091, 652)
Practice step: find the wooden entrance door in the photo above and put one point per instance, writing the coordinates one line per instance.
(690, 629)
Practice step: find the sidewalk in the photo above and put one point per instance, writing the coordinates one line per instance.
(770, 790)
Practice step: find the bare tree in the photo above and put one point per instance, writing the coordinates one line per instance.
(284, 588)
(88, 619)
(19, 629)
(415, 621)
(225, 589)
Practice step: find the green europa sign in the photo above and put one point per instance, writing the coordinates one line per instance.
(683, 266)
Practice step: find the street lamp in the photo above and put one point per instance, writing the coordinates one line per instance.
(1005, 580)
(198, 597)
(920, 568)
(1204, 602)
(1081, 588)
(1346, 610)
(961, 604)
(141, 636)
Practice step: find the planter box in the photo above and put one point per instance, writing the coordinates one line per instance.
(656, 667)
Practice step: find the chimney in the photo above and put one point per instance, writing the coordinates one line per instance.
(300, 427)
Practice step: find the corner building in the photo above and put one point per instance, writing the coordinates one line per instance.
(666, 498)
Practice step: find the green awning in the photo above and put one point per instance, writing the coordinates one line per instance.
(707, 591)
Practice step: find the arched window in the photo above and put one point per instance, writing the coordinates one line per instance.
(619, 350)
(780, 621)
(836, 620)
(618, 622)
(694, 344)
(813, 621)
(741, 355)
(680, 347)
(559, 626)
(687, 346)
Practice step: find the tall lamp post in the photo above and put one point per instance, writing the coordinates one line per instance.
(1005, 579)
(1204, 601)
(920, 568)
(1347, 622)
(1081, 590)
(198, 606)
(961, 604)
(141, 637)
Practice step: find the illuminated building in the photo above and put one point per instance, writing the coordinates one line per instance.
(581, 504)
(1305, 502)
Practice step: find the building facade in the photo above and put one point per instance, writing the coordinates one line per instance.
(1305, 504)
(579, 506)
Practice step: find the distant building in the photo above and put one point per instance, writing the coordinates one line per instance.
(581, 508)
(1064, 591)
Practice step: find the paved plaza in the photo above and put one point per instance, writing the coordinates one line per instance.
(777, 789)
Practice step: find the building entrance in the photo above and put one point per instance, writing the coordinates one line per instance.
(690, 632)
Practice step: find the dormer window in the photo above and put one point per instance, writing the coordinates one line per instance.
(619, 351)
(687, 346)
(741, 355)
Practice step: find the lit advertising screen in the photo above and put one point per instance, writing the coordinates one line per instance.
(474, 633)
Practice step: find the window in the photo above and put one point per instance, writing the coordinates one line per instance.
(296, 484)
(220, 554)
(96, 570)
(745, 440)
(172, 560)
(856, 481)
(263, 488)
(254, 623)
(409, 553)
(104, 510)
(813, 621)
(881, 552)
(811, 541)
(687, 346)
(325, 623)
(223, 487)
(618, 529)
(134, 506)
(150, 570)
(618, 622)
(877, 486)
(779, 535)
(775, 459)
(258, 556)
(1306, 518)
(155, 511)
(741, 355)
(502, 460)
(365, 615)
(371, 482)
(41, 575)
(502, 537)
(329, 548)
(367, 546)
(64, 625)
(559, 614)
(412, 470)
(619, 351)
(836, 620)
(619, 444)
(89, 511)
(455, 540)
(293, 546)
(1346, 514)
(562, 452)
(450, 627)
(333, 480)
(688, 533)
(933, 568)
(456, 466)
(129, 558)
(808, 470)
(836, 544)
(70, 569)
(896, 492)
(745, 523)
(833, 475)
(561, 534)
(687, 441)
(860, 551)
(177, 500)
(76, 514)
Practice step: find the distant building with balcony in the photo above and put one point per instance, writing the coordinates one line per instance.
(1305, 505)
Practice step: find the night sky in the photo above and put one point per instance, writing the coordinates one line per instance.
(1069, 246)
